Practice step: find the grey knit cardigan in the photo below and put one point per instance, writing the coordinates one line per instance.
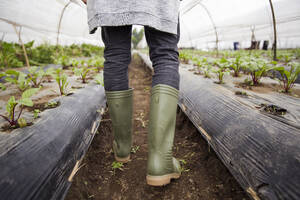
(159, 14)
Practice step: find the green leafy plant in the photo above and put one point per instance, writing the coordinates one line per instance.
(82, 72)
(288, 77)
(207, 71)
(62, 81)
(99, 64)
(18, 78)
(258, 68)
(286, 58)
(8, 57)
(221, 70)
(2, 86)
(63, 60)
(36, 76)
(42, 54)
(25, 100)
(235, 65)
(99, 79)
(75, 63)
(201, 64)
(185, 57)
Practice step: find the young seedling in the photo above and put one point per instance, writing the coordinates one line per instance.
(62, 81)
(36, 76)
(236, 65)
(36, 113)
(258, 68)
(182, 164)
(207, 71)
(25, 100)
(117, 165)
(82, 72)
(288, 77)
(201, 64)
(52, 104)
(134, 149)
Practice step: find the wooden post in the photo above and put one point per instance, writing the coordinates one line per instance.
(22, 44)
(275, 31)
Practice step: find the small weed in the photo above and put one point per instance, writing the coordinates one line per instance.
(242, 93)
(36, 113)
(52, 104)
(182, 164)
(134, 149)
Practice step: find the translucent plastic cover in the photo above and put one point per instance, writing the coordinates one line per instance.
(238, 21)
(52, 21)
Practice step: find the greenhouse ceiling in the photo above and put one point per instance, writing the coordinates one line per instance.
(205, 24)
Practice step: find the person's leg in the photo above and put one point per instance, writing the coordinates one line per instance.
(161, 165)
(164, 56)
(117, 56)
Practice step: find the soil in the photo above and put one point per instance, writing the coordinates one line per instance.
(204, 175)
(267, 88)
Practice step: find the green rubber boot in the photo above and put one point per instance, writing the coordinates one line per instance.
(162, 166)
(120, 111)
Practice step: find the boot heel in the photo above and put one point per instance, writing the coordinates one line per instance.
(161, 180)
(122, 160)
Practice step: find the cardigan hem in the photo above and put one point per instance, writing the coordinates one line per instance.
(131, 18)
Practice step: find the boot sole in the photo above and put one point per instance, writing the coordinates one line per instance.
(122, 160)
(161, 180)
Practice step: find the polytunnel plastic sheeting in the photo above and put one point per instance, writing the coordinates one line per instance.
(261, 151)
(235, 20)
(39, 161)
(40, 20)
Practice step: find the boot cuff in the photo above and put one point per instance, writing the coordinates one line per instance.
(165, 89)
(119, 94)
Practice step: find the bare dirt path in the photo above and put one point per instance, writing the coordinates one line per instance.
(204, 176)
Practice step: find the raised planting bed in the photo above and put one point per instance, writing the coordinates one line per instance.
(259, 146)
(203, 175)
(38, 161)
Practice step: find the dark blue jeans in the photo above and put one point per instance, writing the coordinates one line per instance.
(117, 54)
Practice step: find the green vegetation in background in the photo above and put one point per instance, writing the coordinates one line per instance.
(282, 53)
(137, 36)
(11, 54)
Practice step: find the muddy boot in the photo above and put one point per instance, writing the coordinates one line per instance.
(162, 166)
(120, 111)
